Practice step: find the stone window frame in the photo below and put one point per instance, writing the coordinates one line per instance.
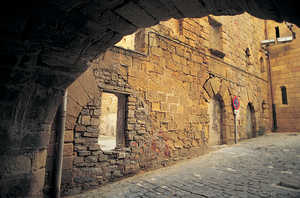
(284, 96)
(122, 112)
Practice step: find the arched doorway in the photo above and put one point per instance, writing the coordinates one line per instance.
(216, 114)
(250, 121)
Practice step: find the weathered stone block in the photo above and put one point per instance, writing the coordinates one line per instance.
(96, 153)
(39, 159)
(94, 147)
(155, 106)
(85, 120)
(121, 155)
(84, 179)
(80, 148)
(34, 141)
(37, 183)
(92, 129)
(14, 165)
(68, 149)
(80, 128)
(16, 186)
(69, 136)
(95, 121)
(173, 108)
(78, 160)
(91, 159)
(85, 112)
(84, 153)
(96, 112)
(68, 163)
(102, 158)
(117, 174)
(91, 135)
(130, 126)
(131, 114)
(67, 177)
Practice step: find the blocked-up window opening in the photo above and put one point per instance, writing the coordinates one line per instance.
(284, 95)
(215, 40)
(112, 119)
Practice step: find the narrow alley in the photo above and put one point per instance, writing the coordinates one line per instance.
(267, 166)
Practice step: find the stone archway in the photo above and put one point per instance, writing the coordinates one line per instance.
(46, 45)
(216, 114)
(250, 121)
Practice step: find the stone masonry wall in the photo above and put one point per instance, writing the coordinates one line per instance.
(169, 84)
(284, 60)
(48, 45)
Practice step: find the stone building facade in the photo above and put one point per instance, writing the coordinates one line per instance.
(174, 83)
(285, 73)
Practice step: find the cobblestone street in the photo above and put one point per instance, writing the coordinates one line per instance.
(267, 166)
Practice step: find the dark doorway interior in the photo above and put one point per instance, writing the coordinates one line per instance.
(251, 121)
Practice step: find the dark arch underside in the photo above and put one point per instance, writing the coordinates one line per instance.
(46, 45)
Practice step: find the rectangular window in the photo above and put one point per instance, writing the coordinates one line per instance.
(112, 121)
(284, 95)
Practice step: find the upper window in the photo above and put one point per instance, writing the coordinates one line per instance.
(284, 95)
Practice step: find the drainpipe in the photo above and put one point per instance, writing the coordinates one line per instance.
(273, 110)
(274, 124)
(61, 129)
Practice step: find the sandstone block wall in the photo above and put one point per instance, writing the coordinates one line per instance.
(285, 63)
(47, 46)
(169, 84)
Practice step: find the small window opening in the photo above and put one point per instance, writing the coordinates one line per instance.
(247, 52)
(284, 95)
(277, 32)
(247, 55)
(112, 121)
(263, 105)
(262, 65)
